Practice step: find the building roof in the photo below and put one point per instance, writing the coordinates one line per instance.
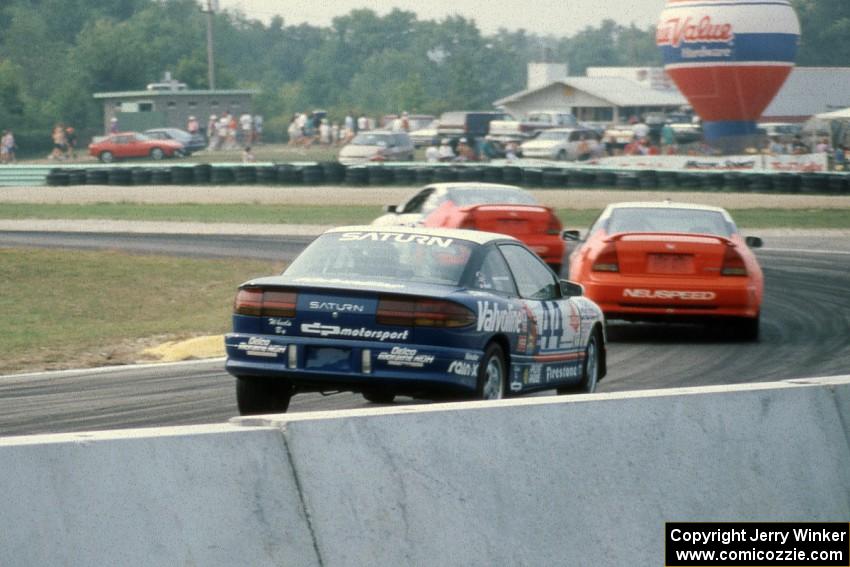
(811, 90)
(151, 94)
(616, 90)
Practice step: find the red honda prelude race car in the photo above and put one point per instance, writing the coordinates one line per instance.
(670, 262)
(489, 207)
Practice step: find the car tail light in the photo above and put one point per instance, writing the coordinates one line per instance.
(607, 260)
(423, 313)
(555, 225)
(265, 303)
(733, 263)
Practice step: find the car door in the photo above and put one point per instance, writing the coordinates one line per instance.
(557, 353)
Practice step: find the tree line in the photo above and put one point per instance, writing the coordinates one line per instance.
(54, 54)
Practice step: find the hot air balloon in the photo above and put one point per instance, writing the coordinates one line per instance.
(729, 58)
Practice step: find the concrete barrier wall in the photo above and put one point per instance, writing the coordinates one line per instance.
(534, 481)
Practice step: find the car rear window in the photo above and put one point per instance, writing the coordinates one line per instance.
(371, 139)
(379, 256)
(485, 195)
(646, 219)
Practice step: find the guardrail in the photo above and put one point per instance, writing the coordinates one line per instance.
(525, 174)
(582, 480)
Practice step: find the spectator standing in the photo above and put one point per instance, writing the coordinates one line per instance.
(335, 133)
(246, 129)
(840, 158)
(212, 133)
(71, 142)
(362, 123)
(60, 145)
(113, 125)
(7, 147)
(248, 156)
(349, 124)
(324, 132)
(192, 125)
(668, 137)
(405, 122)
(258, 129)
(465, 151)
(432, 153)
(293, 131)
(511, 149)
(823, 147)
(446, 153)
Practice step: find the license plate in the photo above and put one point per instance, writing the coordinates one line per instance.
(670, 264)
(328, 358)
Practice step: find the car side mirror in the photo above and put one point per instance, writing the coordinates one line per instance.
(753, 241)
(571, 289)
(571, 235)
(390, 208)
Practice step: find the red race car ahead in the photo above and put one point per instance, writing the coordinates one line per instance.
(133, 145)
(670, 261)
(503, 209)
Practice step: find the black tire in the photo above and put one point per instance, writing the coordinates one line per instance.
(157, 154)
(492, 374)
(262, 395)
(590, 369)
(562, 155)
(379, 396)
(106, 157)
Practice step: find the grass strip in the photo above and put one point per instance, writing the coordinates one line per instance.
(63, 308)
(360, 214)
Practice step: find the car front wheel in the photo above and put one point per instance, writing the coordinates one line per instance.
(157, 154)
(492, 374)
(262, 395)
(590, 369)
(106, 157)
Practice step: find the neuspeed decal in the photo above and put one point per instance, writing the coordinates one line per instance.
(361, 333)
(410, 357)
(495, 319)
(669, 294)
(397, 237)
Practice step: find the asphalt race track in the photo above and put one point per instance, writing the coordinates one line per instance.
(805, 333)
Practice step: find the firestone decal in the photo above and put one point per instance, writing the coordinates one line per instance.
(410, 357)
(397, 237)
(670, 294)
(556, 373)
(361, 333)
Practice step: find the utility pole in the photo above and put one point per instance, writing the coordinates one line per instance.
(212, 6)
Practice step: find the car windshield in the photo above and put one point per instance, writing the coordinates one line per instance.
(645, 219)
(553, 136)
(371, 140)
(483, 195)
(382, 256)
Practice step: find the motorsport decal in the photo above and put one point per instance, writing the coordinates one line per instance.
(516, 379)
(495, 319)
(463, 368)
(669, 294)
(397, 237)
(257, 346)
(361, 333)
(558, 373)
(410, 357)
(557, 324)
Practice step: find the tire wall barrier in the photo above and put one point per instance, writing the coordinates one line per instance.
(587, 480)
(417, 174)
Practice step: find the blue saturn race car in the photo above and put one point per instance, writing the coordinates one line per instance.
(427, 313)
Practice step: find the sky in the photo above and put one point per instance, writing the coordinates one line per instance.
(544, 17)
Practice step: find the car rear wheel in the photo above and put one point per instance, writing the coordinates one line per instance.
(106, 157)
(492, 374)
(590, 369)
(379, 396)
(157, 154)
(562, 155)
(746, 329)
(262, 395)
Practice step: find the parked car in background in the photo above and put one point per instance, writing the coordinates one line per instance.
(785, 132)
(191, 142)
(491, 207)
(124, 145)
(563, 144)
(504, 131)
(414, 121)
(425, 136)
(377, 145)
(467, 124)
